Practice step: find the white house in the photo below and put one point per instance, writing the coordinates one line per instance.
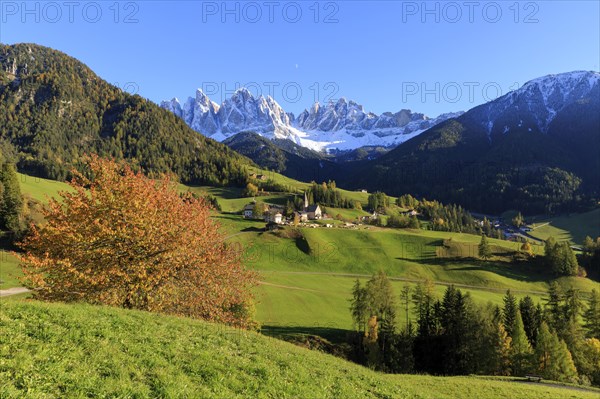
(248, 211)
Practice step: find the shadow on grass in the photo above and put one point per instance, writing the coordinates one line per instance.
(293, 333)
(530, 271)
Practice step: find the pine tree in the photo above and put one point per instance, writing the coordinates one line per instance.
(551, 253)
(567, 261)
(532, 318)
(509, 312)
(414, 223)
(405, 297)
(518, 221)
(554, 307)
(359, 307)
(381, 297)
(553, 359)
(592, 316)
(485, 252)
(502, 346)
(11, 201)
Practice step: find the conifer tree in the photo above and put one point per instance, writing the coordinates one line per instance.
(532, 318)
(591, 315)
(11, 200)
(520, 354)
(509, 312)
(485, 252)
(553, 359)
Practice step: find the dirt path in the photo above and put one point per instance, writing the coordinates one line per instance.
(13, 291)
(408, 280)
(560, 386)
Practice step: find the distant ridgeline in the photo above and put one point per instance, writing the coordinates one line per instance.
(535, 149)
(54, 110)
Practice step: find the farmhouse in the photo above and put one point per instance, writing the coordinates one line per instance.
(247, 211)
(274, 216)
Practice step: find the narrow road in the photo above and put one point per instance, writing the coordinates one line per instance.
(13, 291)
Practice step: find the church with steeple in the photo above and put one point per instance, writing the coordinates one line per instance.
(310, 212)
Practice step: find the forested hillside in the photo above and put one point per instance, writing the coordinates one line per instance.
(54, 109)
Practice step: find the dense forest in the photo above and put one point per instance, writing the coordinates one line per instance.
(456, 162)
(455, 336)
(54, 110)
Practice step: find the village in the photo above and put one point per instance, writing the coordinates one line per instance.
(311, 216)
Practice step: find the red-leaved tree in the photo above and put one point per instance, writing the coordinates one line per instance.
(121, 239)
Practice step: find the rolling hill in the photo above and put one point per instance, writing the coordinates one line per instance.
(56, 350)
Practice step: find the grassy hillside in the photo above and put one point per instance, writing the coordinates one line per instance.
(10, 271)
(307, 280)
(571, 227)
(40, 189)
(66, 351)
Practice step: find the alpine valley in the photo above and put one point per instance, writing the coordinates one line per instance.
(400, 256)
(535, 148)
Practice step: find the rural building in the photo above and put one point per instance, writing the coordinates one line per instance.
(314, 212)
(248, 210)
(274, 216)
(302, 216)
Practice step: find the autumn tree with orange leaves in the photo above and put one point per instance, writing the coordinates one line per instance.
(121, 239)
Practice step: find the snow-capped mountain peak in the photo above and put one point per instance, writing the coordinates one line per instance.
(538, 101)
(341, 124)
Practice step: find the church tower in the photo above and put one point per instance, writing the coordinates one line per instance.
(305, 201)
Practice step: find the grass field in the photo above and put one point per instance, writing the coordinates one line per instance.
(73, 351)
(10, 271)
(571, 227)
(40, 189)
(307, 279)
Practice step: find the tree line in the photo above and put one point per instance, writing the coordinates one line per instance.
(454, 336)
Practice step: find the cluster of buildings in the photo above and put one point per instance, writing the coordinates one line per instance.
(275, 213)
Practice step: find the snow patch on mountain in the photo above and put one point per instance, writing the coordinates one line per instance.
(341, 125)
(541, 99)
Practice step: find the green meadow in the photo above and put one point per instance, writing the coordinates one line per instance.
(57, 350)
(307, 273)
(571, 227)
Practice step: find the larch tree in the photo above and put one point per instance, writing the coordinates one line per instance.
(122, 239)
(553, 359)
(520, 353)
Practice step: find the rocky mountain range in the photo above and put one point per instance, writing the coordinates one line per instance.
(336, 125)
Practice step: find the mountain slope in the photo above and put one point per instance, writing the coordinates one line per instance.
(54, 109)
(342, 125)
(57, 350)
(284, 156)
(535, 149)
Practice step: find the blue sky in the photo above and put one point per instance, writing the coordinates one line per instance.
(430, 57)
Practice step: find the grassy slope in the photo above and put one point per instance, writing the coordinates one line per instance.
(571, 227)
(55, 350)
(38, 188)
(316, 300)
(10, 270)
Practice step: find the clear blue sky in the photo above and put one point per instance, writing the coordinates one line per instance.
(382, 54)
